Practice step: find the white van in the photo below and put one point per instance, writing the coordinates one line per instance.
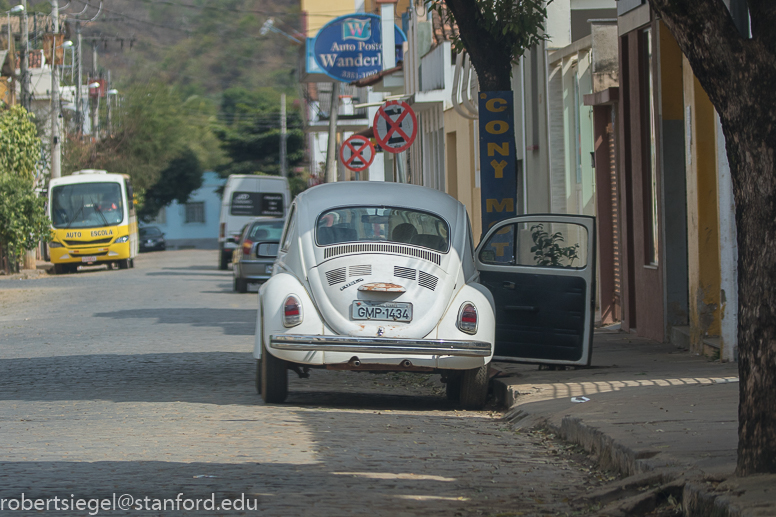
(247, 196)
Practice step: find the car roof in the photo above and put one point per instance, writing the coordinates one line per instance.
(367, 193)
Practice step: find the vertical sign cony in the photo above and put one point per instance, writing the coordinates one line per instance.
(497, 157)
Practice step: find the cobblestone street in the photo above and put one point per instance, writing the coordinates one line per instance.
(141, 382)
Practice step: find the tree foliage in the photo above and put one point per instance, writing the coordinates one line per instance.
(23, 220)
(153, 126)
(19, 142)
(181, 177)
(250, 132)
(494, 32)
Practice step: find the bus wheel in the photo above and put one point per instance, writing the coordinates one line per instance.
(123, 264)
(59, 269)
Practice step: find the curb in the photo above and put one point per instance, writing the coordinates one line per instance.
(698, 498)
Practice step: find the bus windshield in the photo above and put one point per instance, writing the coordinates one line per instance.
(87, 205)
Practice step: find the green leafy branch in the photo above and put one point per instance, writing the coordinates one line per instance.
(515, 24)
(547, 250)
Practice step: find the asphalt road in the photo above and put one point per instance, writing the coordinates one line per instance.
(129, 387)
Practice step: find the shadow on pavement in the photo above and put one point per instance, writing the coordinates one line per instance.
(220, 378)
(234, 322)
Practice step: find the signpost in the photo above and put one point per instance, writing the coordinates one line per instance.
(395, 126)
(349, 48)
(357, 153)
(497, 157)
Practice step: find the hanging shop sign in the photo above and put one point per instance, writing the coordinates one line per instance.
(395, 126)
(350, 47)
(498, 171)
(357, 153)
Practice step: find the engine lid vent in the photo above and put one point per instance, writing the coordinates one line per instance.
(336, 276)
(428, 281)
(404, 272)
(345, 249)
(363, 270)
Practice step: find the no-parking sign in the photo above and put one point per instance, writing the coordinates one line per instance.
(395, 126)
(357, 153)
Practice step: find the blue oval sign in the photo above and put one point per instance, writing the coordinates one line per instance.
(350, 47)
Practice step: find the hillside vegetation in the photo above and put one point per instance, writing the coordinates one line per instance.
(199, 85)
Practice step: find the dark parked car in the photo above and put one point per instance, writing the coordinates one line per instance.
(253, 259)
(152, 239)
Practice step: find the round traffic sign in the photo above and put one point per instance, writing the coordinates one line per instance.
(357, 153)
(395, 126)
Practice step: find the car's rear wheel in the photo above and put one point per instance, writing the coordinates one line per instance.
(274, 377)
(240, 285)
(453, 386)
(258, 376)
(223, 261)
(123, 264)
(474, 387)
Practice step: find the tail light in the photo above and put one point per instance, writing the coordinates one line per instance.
(292, 311)
(467, 318)
(247, 244)
(222, 231)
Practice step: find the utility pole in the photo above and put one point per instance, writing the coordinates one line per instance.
(56, 151)
(331, 148)
(95, 111)
(25, 86)
(283, 136)
(79, 81)
(108, 106)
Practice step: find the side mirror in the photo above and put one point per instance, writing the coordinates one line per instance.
(267, 249)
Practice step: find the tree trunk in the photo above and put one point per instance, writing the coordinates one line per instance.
(491, 60)
(738, 74)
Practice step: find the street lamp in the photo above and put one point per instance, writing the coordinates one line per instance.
(269, 25)
(56, 165)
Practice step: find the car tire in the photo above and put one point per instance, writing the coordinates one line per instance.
(223, 261)
(258, 376)
(274, 377)
(240, 285)
(453, 385)
(132, 263)
(474, 387)
(60, 269)
(123, 264)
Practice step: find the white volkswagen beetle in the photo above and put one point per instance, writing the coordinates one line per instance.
(376, 277)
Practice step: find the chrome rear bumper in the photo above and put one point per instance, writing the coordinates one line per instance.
(380, 345)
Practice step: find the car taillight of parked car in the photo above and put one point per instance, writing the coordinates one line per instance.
(246, 247)
(292, 311)
(467, 318)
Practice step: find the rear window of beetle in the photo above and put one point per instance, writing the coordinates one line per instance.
(383, 224)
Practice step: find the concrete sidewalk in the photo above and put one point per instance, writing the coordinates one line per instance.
(665, 418)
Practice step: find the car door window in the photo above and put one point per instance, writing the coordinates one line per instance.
(537, 243)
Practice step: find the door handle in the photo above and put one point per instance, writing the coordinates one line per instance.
(508, 285)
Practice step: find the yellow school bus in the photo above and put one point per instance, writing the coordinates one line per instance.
(93, 221)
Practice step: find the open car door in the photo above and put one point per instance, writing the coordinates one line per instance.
(541, 271)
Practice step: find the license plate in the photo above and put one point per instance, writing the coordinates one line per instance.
(383, 311)
(88, 259)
